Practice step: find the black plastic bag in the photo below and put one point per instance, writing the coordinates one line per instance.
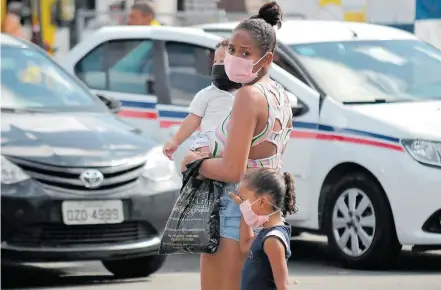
(194, 223)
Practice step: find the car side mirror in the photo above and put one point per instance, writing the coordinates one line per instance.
(150, 86)
(299, 109)
(113, 105)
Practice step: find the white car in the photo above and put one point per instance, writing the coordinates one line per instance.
(367, 161)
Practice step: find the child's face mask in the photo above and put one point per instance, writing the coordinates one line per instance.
(251, 218)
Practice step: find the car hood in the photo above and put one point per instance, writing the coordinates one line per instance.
(85, 139)
(417, 119)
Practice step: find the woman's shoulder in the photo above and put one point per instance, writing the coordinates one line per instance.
(252, 90)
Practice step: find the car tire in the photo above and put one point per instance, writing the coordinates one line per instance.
(136, 267)
(364, 236)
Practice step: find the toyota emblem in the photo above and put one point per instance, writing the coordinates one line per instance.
(92, 178)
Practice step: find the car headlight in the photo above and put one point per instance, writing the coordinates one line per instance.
(158, 167)
(11, 173)
(426, 152)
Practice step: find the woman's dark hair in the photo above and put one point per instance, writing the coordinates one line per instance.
(279, 186)
(223, 43)
(261, 26)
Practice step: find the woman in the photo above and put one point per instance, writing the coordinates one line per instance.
(253, 135)
(11, 25)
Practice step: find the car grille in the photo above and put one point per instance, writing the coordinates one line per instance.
(68, 178)
(58, 235)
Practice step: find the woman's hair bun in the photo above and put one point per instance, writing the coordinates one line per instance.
(272, 13)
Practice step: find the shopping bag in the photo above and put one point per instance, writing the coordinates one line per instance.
(194, 224)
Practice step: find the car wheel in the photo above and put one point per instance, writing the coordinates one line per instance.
(359, 223)
(135, 268)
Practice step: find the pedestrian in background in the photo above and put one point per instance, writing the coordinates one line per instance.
(11, 24)
(143, 13)
(253, 135)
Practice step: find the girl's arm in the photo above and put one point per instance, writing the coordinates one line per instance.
(188, 127)
(275, 251)
(243, 122)
(193, 121)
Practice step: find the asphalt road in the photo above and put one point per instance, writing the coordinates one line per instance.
(311, 267)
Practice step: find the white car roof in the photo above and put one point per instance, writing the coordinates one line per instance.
(194, 36)
(156, 32)
(310, 31)
(9, 40)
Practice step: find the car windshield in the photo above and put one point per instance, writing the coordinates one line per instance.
(32, 81)
(368, 71)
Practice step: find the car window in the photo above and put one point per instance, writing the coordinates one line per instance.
(31, 80)
(121, 66)
(283, 63)
(365, 71)
(189, 70)
(280, 61)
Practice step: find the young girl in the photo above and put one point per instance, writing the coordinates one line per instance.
(264, 195)
(209, 107)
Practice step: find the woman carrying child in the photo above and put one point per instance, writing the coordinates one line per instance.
(209, 107)
(253, 135)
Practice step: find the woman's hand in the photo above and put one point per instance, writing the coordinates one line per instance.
(190, 157)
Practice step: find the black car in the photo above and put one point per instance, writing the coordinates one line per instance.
(77, 183)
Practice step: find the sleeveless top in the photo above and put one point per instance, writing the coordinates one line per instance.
(257, 273)
(279, 109)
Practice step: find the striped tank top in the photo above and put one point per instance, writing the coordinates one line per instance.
(279, 109)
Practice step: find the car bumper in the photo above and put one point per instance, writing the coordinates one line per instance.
(33, 230)
(414, 192)
(81, 253)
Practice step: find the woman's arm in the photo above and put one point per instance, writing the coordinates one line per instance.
(275, 251)
(243, 122)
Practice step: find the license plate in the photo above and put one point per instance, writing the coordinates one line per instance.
(92, 212)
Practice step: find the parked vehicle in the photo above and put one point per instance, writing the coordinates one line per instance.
(313, 51)
(77, 182)
(367, 161)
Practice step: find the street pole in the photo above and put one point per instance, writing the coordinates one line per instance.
(37, 36)
(73, 25)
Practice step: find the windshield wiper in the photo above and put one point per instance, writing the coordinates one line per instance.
(24, 110)
(376, 101)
